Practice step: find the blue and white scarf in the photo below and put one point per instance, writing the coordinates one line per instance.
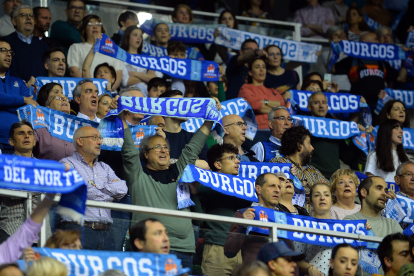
(410, 40)
(69, 84)
(45, 176)
(292, 50)
(400, 209)
(95, 262)
(63, 126)
(187, 33)
(372, 24)
(196, 70)
(390, 185)
(327, 128)
(237, 106)
(366, 50)
(337, 102)
(157, 51)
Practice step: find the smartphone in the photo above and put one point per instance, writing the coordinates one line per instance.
(328, 78)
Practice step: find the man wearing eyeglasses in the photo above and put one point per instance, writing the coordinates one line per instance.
(235, 134)
(85, 95)
(222, 159)
(5, 21)
(103, 185)
(279, 120)
(404, 178)
(27, 63)
(66, 32)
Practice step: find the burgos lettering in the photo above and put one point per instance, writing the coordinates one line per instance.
(368, 50)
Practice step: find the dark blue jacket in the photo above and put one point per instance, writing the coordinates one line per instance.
(11, 98)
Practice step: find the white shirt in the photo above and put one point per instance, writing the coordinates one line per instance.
(78, 52)
(371, 166)
(83, 116)
(259, 150)
(6, 25)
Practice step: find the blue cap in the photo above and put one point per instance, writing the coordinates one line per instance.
(275, 250)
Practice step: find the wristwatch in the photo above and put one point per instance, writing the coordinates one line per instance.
(266, 102)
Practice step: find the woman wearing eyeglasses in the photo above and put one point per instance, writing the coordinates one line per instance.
(90, 29)
(104, 102)
(261, 98)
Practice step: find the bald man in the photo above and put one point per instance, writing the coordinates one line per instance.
(102, 184)
(235, 134)
(368, 76)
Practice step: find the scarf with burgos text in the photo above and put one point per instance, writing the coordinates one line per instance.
(45, 176)
(94, 262)
(187, 69)
(63, 126)
(237, 106)
(158, 51)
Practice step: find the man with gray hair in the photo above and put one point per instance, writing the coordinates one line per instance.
(5, 21)
(27, 63)
(404, 178)
(278, 121)
(85, 95)
(102, 184)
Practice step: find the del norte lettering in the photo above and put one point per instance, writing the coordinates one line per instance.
(368, 50)
(69, 84)
(337, 102)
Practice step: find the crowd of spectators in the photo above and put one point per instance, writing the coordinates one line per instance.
(32, 47)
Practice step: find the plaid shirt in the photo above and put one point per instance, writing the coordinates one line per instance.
(102, 184)
(308, 175)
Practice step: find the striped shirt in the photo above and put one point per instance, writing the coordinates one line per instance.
(307, 174)
(102, 185)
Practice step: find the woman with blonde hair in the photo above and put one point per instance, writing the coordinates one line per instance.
(344, 184)
(47, 266)
(65, 239)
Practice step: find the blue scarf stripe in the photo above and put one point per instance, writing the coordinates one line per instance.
(187, 69)
(158, 51)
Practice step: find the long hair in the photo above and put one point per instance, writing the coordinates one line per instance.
(384, 146)
(363, 26)
(386, 110)
(335, 250)
(126, 36)
(250, 66)
(236, 23)
(44, 92)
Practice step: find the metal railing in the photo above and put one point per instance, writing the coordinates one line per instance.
(273, 227)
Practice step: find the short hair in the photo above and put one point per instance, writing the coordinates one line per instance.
(251, 268)
(155, 27)
(292, 138)
(175, 46)
(16, 125)
(247, 41)
(62, 238)
(308, 83)
(36, 11)
(127, 35)
(110, 67)
(156, 82)
(401, 167)
(48, 52)
(333, 181)
(386, 249)
(171, 93)
(144, 145)
(125, 15)
(385, 111)
(4, 266)
(138, 231)
(16, 11)
(112, 272)
(70, 1)
(125, 91)
(3, 40)
(216, 152)
(366, 185)
(175, 11)
(271, 114)
(78, 88)
(78, 132)
(312, 189)
(331, 30)
(261, 179)
(381, 29)
(47, 266)
(84, 24)
(44, 92)
(310, 99)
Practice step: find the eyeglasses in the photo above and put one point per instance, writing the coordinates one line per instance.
(25, 15)
(158, 148)
(94, 138)
(408, 175)
(91, 24)
(76, 8)
(5, 51)
(283, 118)
(239, 124)
(274, 55)
(231, 158)
(61, 99)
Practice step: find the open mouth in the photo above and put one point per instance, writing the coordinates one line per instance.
(288, 186)
(275, 197)
(61, 69)
(26, 143)
(165, 249)
(65, 104)
(94, 102)
(322, 204)
(7, 61)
